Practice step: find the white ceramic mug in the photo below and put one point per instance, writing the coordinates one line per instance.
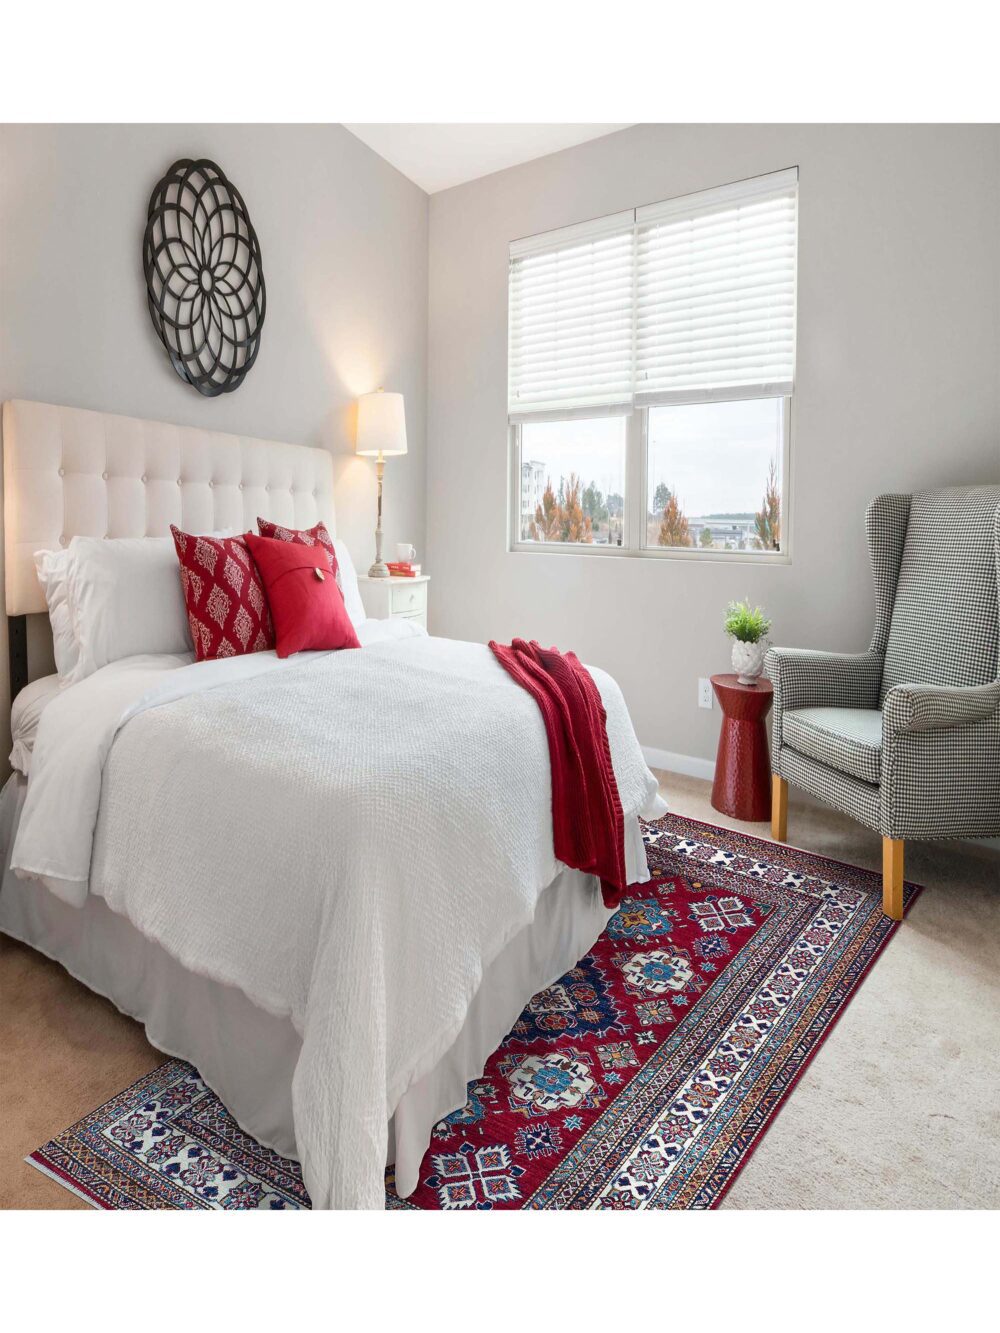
(404, 551)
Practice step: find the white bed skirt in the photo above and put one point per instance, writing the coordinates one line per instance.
(248, 1056)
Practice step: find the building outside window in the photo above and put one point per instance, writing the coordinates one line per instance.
(532, 490)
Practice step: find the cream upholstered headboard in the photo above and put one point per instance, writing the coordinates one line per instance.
(69, 472)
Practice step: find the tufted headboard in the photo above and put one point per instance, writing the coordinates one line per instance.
(70, 472)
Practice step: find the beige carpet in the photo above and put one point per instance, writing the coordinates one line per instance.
(900, 1108)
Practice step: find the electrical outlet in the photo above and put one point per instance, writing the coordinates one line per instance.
(704, 692)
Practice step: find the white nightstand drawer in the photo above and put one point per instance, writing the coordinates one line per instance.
(393, 599)
(409, 600)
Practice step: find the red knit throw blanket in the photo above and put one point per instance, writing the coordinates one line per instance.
(587, 822)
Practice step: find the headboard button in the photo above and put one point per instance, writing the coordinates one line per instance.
(62, 540)
(179, 482)
(143, 478)
(104, 476)
(62, 472)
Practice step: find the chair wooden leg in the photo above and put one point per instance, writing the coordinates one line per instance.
(892, 878)
(779, 808)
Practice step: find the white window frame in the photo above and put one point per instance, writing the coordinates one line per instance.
(634, 517)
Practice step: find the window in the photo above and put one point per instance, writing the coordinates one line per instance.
(651, 370)
(573, 481)
(714, 475)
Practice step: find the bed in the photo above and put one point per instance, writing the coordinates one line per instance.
(327, 881)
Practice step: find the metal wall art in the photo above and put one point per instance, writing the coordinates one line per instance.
(204, 281)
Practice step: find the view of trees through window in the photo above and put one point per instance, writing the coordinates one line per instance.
(713, 478)
(714, 475)
(573, 481)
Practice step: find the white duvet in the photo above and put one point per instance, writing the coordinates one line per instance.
(350, 838)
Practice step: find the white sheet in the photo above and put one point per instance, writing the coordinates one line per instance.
(351, 843)
(25, 716)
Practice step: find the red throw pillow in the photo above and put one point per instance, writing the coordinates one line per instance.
(226, 605)
(307, 606)
(302, 536)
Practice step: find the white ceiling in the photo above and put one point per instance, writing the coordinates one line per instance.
(438, 156)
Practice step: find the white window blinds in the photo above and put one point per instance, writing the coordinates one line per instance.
(687, 300)
(570, 319)
(715, 293)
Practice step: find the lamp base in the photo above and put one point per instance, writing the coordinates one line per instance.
(380, 570)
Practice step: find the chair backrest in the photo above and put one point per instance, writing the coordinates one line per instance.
(944, 628)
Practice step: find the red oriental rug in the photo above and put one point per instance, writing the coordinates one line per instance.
(643, 1078)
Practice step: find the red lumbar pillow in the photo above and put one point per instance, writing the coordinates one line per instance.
(306, 604)
(317, 536)
(226, 605)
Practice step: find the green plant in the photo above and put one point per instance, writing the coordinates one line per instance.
(742, 622)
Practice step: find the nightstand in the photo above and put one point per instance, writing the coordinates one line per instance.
(395, 599)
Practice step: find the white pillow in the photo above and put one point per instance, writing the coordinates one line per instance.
(125, 598)
(120, 595)
(348, 579)
(53, 575)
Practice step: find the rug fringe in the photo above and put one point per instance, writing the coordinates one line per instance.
(39, 1164)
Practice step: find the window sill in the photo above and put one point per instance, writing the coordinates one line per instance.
(592, 550)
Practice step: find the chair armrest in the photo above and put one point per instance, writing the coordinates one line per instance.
(940, 773)
(804, 678)
(932, 707)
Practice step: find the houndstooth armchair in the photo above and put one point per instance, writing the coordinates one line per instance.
(905, 737)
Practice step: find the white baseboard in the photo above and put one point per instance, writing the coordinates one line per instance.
(688, 764)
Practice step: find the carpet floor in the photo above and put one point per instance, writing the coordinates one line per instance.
(899, 1109)
(641, 1079)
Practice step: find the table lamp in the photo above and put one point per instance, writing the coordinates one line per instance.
(381, 434)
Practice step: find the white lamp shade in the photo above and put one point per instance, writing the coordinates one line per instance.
(381, 424)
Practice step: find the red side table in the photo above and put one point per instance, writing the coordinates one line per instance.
(742, 786)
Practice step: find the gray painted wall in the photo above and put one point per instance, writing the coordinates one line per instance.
(897, 388)
(344, 245)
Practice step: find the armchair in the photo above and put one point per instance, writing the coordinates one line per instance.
(905, 738)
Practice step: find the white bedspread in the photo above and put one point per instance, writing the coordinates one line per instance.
(349, 838)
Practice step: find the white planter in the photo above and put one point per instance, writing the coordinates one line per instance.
(748, 660)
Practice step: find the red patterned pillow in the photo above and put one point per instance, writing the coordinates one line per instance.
(226, 606)
(308, 607)
(317, 536)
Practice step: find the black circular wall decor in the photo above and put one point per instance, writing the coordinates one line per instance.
(204, 281)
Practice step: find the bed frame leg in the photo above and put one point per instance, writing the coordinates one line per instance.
(17, 650)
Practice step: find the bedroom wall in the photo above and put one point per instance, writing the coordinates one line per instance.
(344, 246)
(897, 388)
